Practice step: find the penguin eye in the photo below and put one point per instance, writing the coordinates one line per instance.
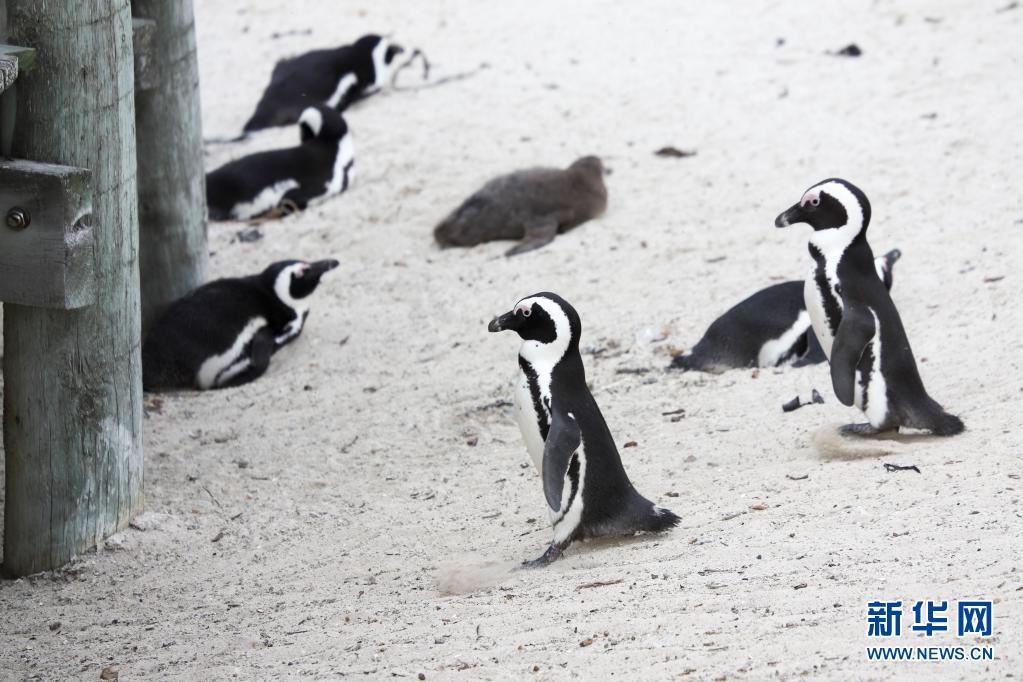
(815, 201)
(526, 312)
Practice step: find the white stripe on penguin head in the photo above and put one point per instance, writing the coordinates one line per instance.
(282, 287)
(313, 119)
(380, 68)
(833, 242)
(544, 356)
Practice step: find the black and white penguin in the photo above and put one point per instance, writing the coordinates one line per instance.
(767, 329)
(224, 333)
(321, 166)
(588, 492)
(855, 320)
(335, 77)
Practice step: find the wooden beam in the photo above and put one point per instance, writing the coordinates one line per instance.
(8, 71)
(26, 56)
(45, 235)
(72, 379)
(173, 250)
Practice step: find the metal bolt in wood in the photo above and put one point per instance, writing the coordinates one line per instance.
(18, 218)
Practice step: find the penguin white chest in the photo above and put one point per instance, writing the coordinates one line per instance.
(814, 298)
(871, 390)
(529, 420)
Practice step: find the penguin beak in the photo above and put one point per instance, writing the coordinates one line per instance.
(317, 268)
(507, 321)
(790, 217)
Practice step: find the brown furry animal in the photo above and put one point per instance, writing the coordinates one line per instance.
(532, 205)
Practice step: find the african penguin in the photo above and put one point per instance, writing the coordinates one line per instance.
(855, 320)
(335, 77)
(223, 333)
(767, 329)
(531, 205)
(291, 178)
(588, 492)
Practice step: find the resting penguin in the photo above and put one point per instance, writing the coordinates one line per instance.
(319, 167)
(872, 366)
(223, 333)
(533, 205)
(588, 493)
(765, 330)
(336, 78)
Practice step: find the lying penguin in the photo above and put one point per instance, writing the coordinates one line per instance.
(224, 333)
(532, 205)
(588, 492)
(336, 78)
(765, 330)
(291, 178)
(872, 365)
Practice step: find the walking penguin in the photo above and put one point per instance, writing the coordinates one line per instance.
(224, 333)
(588, 492)
(855, 320)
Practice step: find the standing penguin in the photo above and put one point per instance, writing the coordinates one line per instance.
(335, 77)
(855, 320)
(533, 205)
(223, 333)
(588, 492)
(765, 330)
(319, 167)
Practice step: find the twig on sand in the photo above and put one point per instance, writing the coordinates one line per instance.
(899, 467)
(212, 496)
(599, 583)
(426, 74)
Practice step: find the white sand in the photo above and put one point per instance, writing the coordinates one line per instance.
(349, 465)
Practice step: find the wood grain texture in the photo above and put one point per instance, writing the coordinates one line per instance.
(48, 264)
(173, 252)
(72, 379)
(8, 71)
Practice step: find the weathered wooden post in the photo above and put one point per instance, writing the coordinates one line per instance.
(72, 377)
(172, 188)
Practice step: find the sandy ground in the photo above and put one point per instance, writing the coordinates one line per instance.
(297, 526)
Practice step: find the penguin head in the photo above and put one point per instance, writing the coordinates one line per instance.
(547, 324)
(884, 264)
(319, 121)
(383, 58)
(836, 209)
(293, 280)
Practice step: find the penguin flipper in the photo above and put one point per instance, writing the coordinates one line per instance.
(540, 231)
(854, 333)
(563, 439)
(261, 350)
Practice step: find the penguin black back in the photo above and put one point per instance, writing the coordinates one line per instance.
(333, 77)
(320, 166)
(766, 329)
(872, 365)
(224, 332)
(587, 490)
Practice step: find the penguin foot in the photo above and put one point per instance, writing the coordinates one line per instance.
(861, 430)
(548, 557)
